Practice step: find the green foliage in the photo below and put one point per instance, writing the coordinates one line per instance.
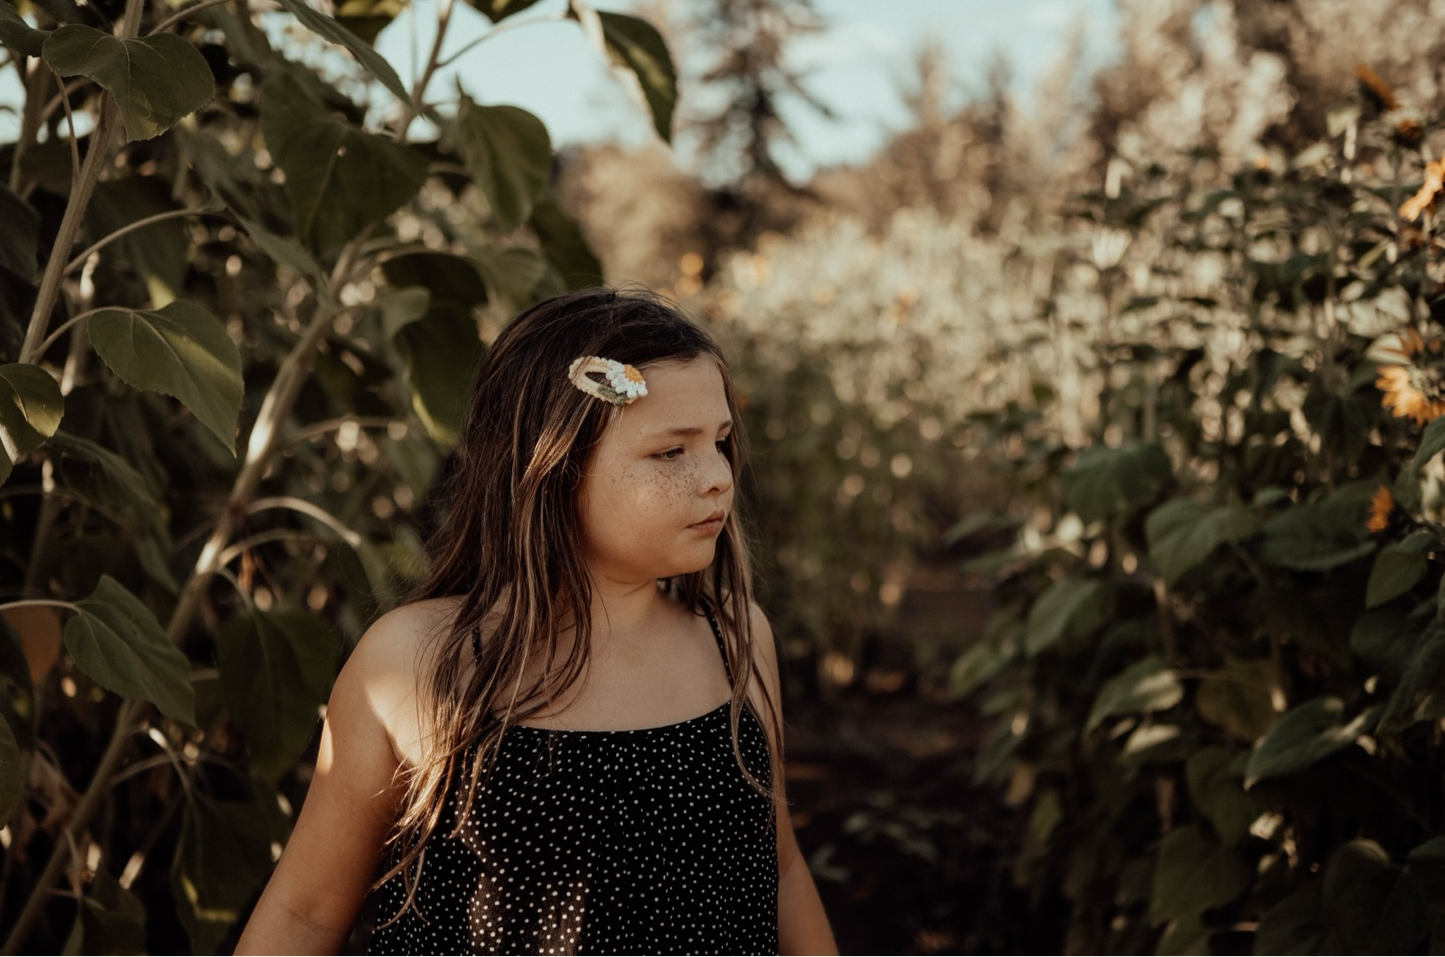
(260, 359)
(180, 350)
(156, 81)
(1229, 580)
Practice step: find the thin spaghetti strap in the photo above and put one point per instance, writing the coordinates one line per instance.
(717, 633)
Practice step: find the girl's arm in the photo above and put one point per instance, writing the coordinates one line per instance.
(802, 925)
(323, 877)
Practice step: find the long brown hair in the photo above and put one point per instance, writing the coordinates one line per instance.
(510, 546)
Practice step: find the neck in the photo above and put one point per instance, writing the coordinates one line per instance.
(624, 611)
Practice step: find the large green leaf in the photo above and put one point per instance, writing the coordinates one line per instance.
(1182, 534)
(636, 45)
(156, 81)
(441, 353)
(1194, 873)
(1239, 697)
(118, 642)
(340, 180)
(509, 155)
(512, 272)
(1071, 607)
(1104, 482)
(1217, 786)
(222, 857)
(17, 35)
(285, 252)
(19, 229)
(276, 670)
(453, 284)
(102, 478)
(30, 410)
(1314, 536)
(636, 51)
(1147, 686)
(329, 29)
(565, 247)
(10, 788)
(181, 350)
(1420, 695)
(1395, 572)
(1432, 442)
(1369, 907)
(1303, 737)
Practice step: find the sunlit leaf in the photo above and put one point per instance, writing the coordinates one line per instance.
(181, 350)
(1305, 736)
(1144, 687)
(30, 411)
(276, 670)
(565, 247)
(156, 80)
(509, 155)
(329, 29)
(340, 180)
(117, 641)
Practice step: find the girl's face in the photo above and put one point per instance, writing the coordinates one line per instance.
(658, 487)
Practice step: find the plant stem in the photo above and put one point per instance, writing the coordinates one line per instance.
(264, 442)
(418, 91)
(69, 227)
(79, 260)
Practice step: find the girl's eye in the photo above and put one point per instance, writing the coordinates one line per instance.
(670, 454)
(722, 446)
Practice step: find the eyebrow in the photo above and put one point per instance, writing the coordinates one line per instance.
(692, 430)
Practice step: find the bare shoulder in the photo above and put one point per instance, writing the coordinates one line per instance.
(384, 675)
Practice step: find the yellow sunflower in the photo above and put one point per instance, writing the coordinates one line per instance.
(1413, 382)
(1382, 504)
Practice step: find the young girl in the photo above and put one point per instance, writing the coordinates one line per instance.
(569, 741)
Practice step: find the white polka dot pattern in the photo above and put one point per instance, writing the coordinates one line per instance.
(647, 841)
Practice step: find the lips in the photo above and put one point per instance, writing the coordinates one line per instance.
(710, 524)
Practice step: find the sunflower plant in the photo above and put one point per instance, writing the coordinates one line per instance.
(1216, 666)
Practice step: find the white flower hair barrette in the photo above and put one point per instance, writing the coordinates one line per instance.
(620, 385)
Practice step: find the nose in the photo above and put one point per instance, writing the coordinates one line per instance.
(717, 478)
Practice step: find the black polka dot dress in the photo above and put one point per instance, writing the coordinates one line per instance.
(647, 841)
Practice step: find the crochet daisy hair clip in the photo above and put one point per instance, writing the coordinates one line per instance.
(618, 384)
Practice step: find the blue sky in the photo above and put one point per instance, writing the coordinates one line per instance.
(854, 65)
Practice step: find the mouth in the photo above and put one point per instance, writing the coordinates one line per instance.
(710, 524)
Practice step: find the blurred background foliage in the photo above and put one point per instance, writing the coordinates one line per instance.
(1096, 478)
